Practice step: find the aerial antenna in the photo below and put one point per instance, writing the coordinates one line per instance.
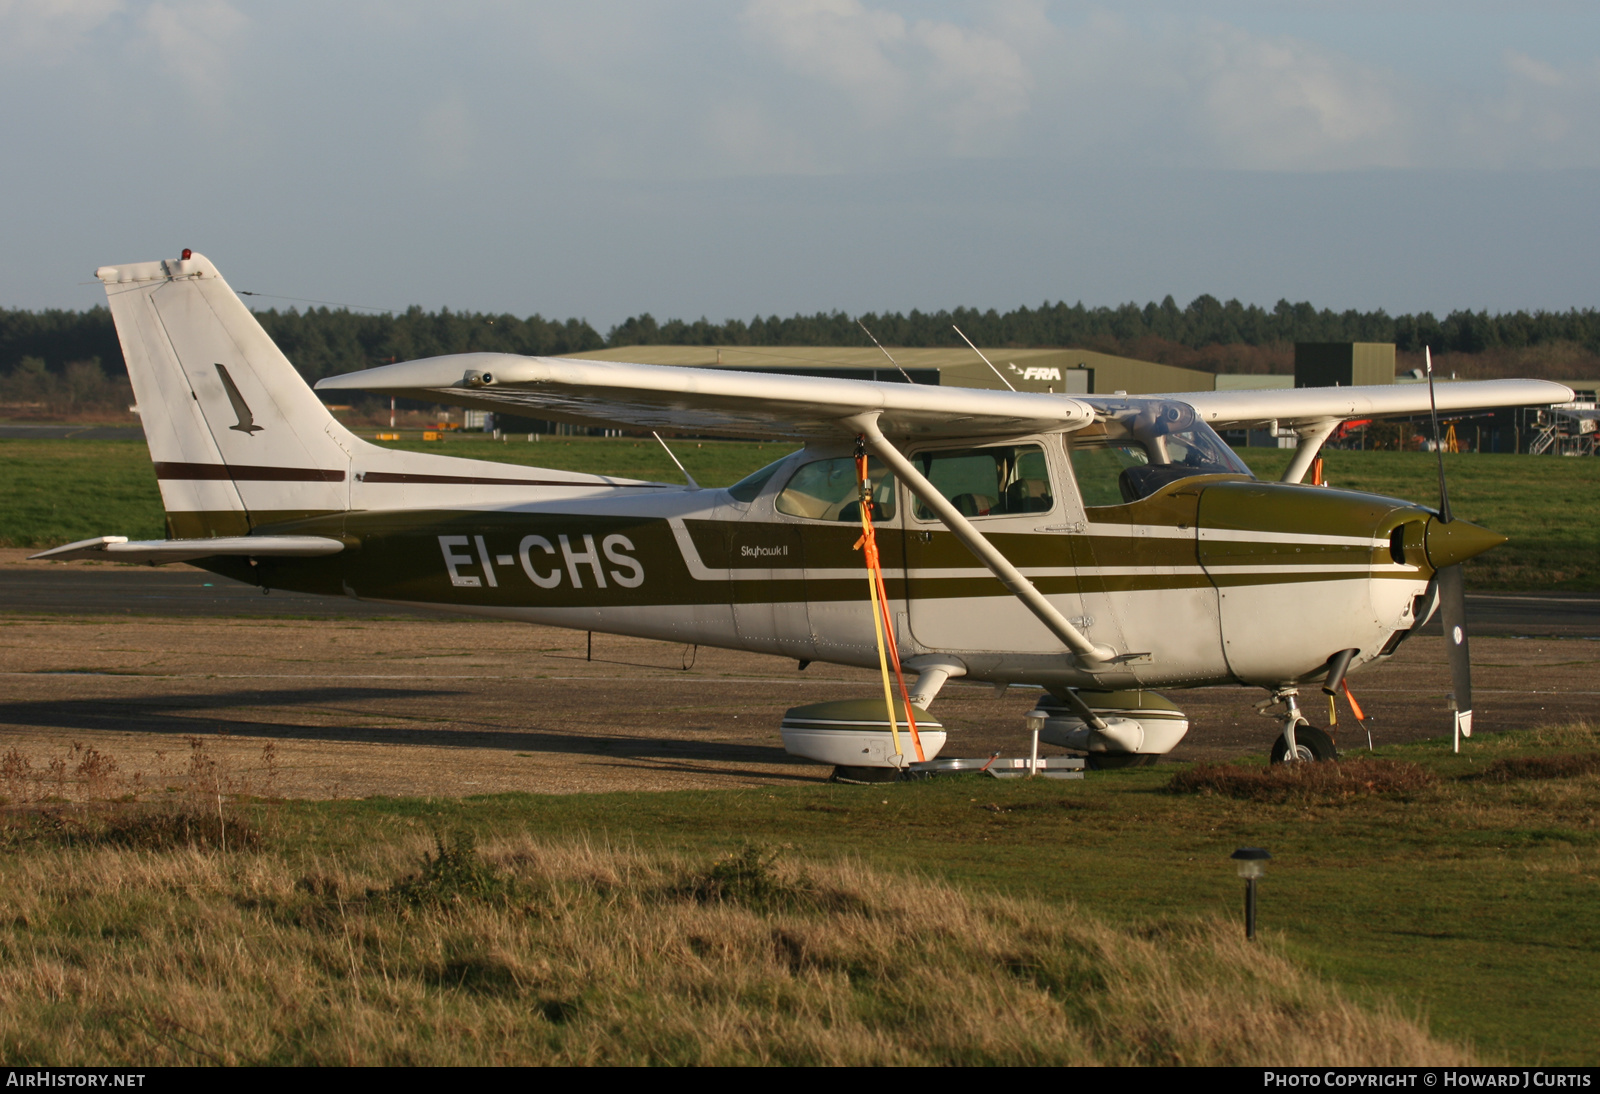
(692, 484)
(986, 361)
(307, 300)
(885, 352)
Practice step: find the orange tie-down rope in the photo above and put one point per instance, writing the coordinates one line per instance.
(888, 649)
(1355, 708)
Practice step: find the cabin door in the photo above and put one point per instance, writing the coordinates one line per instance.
(1010, 493)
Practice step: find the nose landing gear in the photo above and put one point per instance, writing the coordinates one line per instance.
(1300, 741)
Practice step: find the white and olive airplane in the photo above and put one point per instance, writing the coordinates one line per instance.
(1098, 547)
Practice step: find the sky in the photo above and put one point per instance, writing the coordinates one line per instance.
(725, 160)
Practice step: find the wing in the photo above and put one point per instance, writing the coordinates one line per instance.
(1306, 406)
(710, 402)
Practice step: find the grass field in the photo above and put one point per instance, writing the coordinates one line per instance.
(1549, 506)
(1442, 916)
(56, 491)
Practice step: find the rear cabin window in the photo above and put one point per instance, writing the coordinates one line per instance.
(829, 490)
(989, 482)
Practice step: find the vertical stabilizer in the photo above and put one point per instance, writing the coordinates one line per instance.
(237, 436)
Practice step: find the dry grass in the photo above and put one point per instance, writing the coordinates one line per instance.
(1303, 782)
(86, 774)
(578, 954)
(1563, 766)
(165, 827)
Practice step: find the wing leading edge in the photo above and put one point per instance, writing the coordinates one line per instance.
(717, 402)
(1306, 406)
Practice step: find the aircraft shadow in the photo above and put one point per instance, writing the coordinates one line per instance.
(208, 715)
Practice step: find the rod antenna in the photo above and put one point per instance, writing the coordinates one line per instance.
(986, 361)
(690, 478)
(885, 352)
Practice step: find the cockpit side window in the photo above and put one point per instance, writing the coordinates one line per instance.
(1099, 470)
(829, 490)
(989, 482)
(1137, 448)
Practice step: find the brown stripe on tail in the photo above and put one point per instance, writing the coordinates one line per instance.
(246, 473)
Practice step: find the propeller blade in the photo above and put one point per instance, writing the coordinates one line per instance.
(1453, 617)
(1438, 441)
(1452, 591)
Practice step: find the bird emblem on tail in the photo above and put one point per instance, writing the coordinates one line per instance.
(247, 420)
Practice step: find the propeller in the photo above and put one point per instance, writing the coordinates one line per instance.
(1452, 589)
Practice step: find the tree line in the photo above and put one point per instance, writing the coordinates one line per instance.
(326, 341)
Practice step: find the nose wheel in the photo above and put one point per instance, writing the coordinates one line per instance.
(1311, 745)
(1300, 741)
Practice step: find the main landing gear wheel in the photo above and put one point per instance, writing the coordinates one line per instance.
(1311, 745)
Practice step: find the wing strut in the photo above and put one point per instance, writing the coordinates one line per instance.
(974, 541)
(1312, 434)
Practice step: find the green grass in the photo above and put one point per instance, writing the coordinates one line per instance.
(56, 491)
(1469, 901)
(1545, 504)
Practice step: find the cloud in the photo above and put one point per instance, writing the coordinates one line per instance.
(194, 43)
(1544, 115)
(868, 85)
(841, 44)
(941, 85)
(1282, 104)
(49, 31)
(978, 79)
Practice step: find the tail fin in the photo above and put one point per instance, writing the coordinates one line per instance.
(238, 438)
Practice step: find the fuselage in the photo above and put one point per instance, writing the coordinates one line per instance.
(1212, 578)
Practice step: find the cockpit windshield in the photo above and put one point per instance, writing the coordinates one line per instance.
(1136, 447)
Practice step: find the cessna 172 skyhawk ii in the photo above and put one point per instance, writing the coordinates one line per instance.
(1100, 547)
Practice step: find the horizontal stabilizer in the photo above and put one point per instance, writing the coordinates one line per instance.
(157, 551)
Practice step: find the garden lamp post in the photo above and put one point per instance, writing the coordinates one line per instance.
(1034, 720)
(1251, 863)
